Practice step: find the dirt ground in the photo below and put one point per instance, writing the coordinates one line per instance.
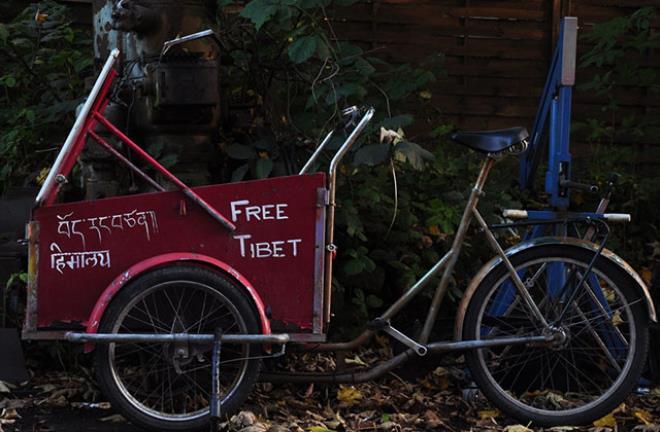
(60, 401)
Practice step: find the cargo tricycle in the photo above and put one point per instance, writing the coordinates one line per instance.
(181, 292)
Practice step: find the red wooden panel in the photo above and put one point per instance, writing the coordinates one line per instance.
(83, 246)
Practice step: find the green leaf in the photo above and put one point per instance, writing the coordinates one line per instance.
(353, 267)
(302, 49)
(8, 81)
(169, 160)
(371, 154)
(414, 154)
(156, 149)
(259, 12)
(4, 33)
(374, 302)
(239, 173)
(241, 152)
(264, 168)
(397, 122)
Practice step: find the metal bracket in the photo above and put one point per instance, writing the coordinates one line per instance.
(385, 326)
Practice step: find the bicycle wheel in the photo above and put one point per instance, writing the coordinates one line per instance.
(588, 371)
(167, 386)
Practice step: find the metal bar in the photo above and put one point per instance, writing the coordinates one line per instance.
(316, 153)
(215, 404)
(360, 340)
(368, 374)
(332, 191)
(77, 127)
(183, 39)
(171, 177)
(125, 161)
(583, 278)
(416, 288)
(512, 271)
(176, 337)
(461, 232)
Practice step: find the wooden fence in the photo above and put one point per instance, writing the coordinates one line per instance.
(497, 55)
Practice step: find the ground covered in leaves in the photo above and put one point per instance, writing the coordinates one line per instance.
(436, 401)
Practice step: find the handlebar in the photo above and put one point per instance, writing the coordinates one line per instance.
(352, 117)
(578, 186)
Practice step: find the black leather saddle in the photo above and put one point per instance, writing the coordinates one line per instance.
(493, 141)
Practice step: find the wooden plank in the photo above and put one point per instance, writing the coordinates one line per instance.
(423, 11)
(448, 27)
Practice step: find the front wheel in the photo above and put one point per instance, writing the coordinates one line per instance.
(585, 373)
(167, 387)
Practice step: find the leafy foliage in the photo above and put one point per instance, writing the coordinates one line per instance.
(619, 47)
(299, 74)
(45, 60)
(288, 63)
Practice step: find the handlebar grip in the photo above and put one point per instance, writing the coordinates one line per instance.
(579, 186)
(617, 217)
(515, 214)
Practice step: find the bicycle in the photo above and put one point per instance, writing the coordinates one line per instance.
(176, 304)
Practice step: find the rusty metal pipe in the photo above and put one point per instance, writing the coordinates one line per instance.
(363, 338)
(368, 374)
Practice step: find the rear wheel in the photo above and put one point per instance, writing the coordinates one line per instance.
(593, 364)
(166, 387)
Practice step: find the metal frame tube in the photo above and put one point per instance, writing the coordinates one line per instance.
(332, 189)
(77, 127)
(522, 289)
(125, 161)
(175, 338)
(368, 374)
(461, 232)
(316, 153)
(170, 177)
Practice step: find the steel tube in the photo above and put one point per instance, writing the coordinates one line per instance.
(459, 237)
(161, 169)
(520, 286)
(417, 287)
(175, 337)
(363, 338)
(368, 374)
(216, 399)
(316, 153)
(77, 126)
(332, 191)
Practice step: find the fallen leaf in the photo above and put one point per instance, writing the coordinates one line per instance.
(643, 415)
(517, 428)
(115, 418)
(356, 361)
(4, 387)
(9, 414)
(487, 414)
(607, 421)
(433, 420)
(349, 395)
(319, 429)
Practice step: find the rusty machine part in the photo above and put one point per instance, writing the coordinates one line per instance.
(170, 103)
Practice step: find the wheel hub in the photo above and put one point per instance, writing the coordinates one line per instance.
(560, 337)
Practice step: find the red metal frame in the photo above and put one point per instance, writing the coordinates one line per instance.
(68, 286)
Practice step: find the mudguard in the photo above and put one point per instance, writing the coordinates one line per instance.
(568, 241)
(158, 261)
